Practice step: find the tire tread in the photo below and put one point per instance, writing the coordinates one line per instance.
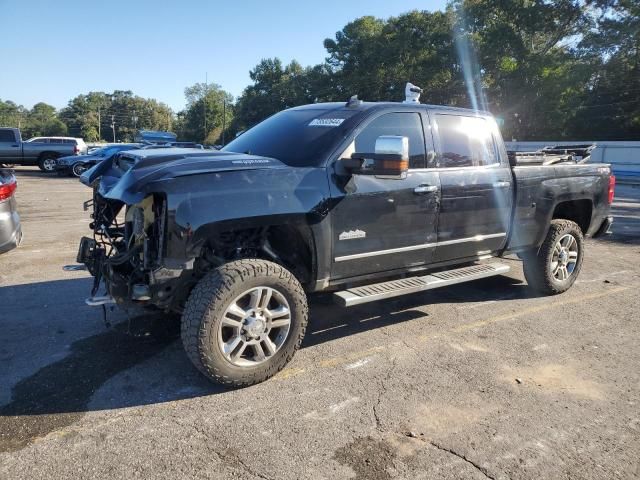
(210, 291)
(536, 264)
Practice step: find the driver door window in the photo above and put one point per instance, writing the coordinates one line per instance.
(406, 124)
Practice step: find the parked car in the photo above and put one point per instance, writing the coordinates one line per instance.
(82, 146)
(10, 229)
(368, 200)
(13, 151)
(78, 164)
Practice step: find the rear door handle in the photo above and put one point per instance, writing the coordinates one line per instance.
(501, 184)
(420, 189)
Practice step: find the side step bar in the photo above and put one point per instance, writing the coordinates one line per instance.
(404, 286)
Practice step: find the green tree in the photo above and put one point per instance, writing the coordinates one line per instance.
(526, 67)
(91, 115)
(277, 87)
(12, 114)
(609, 106)
(202, 119)
(42, 121)
(375, 58)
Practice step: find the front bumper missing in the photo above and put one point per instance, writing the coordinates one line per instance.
(149, 287)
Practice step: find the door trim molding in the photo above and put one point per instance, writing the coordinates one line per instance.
(385, 252)
(422, 246)
(477, 238)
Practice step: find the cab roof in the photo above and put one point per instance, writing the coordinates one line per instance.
(364, 106)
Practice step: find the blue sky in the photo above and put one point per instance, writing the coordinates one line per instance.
(55, 50)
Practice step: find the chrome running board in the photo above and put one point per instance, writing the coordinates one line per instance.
(404, 286)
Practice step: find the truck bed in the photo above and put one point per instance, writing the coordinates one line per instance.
(540, 188)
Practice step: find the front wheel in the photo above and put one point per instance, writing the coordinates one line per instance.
(244, 321)
(555, 266)
(78, 169)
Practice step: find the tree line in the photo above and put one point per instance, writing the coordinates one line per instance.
(563, 69)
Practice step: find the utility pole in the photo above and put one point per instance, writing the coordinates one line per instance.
(135, 120)
(224, 117)
(99, 132)
(168, 122)
(204, 103)
(113, 128)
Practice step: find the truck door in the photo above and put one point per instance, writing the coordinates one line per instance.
(477, 190)
(385, 224)
(9, 146)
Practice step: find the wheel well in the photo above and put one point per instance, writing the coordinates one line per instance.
(290, 245)
(48, 155)
(578, 211)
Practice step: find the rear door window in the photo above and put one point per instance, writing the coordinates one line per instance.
(464, 141)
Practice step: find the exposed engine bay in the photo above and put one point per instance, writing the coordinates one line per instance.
(128, 252)
(127, 244)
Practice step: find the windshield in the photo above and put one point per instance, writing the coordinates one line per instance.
(299, 138)
(104, 151)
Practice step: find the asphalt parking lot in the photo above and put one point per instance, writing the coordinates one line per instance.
(483, 380)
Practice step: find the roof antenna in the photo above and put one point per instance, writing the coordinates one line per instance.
(412, 93)
(354, 101)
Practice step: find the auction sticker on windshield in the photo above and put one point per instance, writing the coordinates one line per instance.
(326, 122)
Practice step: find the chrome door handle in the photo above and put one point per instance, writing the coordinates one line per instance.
(425, 189)
(502, 184)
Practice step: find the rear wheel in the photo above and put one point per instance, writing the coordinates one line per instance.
(244, 321)
(47, 162)
(556, 265)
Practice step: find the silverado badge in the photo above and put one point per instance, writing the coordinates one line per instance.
(351, 234)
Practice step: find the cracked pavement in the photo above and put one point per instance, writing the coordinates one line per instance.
(418, 387)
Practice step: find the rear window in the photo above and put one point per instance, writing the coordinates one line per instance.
(7, 136)
(299, 138)
(465, 141)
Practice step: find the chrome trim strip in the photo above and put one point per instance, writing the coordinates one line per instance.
(384, 252)
(477, 238)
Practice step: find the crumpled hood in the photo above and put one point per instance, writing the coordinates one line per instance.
(128, 176)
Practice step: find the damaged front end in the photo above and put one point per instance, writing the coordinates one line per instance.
(125, 253)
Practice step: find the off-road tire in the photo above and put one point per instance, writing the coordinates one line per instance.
(537, 265)
(43, 159)
(207, 303)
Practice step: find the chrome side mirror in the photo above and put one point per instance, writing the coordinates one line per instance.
(391, 157)
(389, 160)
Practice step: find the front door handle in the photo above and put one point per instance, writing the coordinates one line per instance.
(420, 189)
(502, 184)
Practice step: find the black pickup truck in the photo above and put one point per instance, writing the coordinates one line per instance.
(368, 200)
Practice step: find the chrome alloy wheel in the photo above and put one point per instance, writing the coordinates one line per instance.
(49, 164)
(564, 257)
(254, 326)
